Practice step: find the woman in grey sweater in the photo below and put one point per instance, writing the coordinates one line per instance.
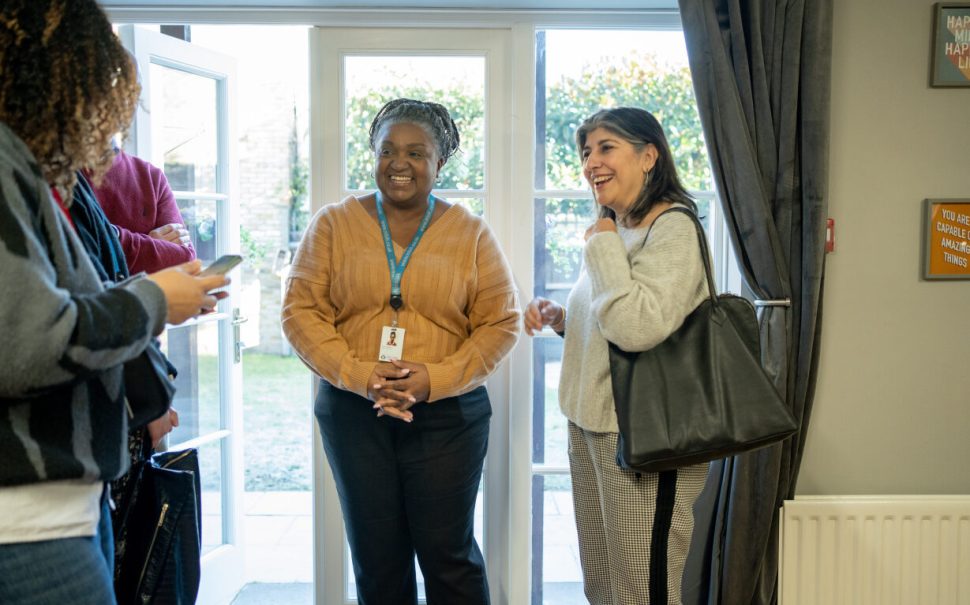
(66, 85)
(634, 528)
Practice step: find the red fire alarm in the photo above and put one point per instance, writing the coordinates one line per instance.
(830, 235)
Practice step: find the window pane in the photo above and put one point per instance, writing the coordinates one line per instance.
(200, 218)
(560, 226)
(558, 580)
(587, 70)
(183, 109)
(704, 212)
(210, 469)
(277, 421)
(578, 73)
(193, 350)
(549, 439)
(458, 83)
(475, 205)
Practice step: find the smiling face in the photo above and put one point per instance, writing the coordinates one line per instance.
(615, 169)
(407, 163)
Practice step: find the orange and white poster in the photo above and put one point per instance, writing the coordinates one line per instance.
(947, 239)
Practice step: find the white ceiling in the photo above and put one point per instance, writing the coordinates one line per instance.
(402, 4)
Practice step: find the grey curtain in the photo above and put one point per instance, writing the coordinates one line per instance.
(761, 72)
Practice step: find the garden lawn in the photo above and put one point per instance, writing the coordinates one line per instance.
(277, 416)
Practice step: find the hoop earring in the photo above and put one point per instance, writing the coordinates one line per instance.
(646, 179)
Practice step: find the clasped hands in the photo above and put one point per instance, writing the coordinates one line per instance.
(174, 233)
(396, 386)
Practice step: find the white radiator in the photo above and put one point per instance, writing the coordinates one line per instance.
(875, 550)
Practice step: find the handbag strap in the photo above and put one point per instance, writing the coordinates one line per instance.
(147, 449)
(702, 241)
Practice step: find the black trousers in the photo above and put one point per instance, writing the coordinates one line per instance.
(409, 489)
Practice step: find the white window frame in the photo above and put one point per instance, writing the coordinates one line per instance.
(510, 573)
(328, 184)
(151, 48)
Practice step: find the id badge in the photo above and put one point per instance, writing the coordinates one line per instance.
(392, 343)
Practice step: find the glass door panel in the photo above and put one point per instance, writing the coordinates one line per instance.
(211, 455)
(183, 125)
(201, 218)
(458, 83)
(186, 135)
(562, 574)
(194, 351)
(579, 72)
(460, 70)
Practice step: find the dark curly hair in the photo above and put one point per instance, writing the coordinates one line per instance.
(431, 116)
(66, 85)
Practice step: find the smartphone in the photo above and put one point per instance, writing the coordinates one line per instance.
(222, 265)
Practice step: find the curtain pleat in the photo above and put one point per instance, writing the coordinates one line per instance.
(761, 72)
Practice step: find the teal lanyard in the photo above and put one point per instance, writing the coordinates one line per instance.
(397, 268)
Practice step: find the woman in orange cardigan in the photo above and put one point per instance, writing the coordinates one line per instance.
(405, 419)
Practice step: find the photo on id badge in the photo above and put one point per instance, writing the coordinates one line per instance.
(392, 343)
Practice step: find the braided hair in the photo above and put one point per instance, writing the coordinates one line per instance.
(66, 85)
(434, 118)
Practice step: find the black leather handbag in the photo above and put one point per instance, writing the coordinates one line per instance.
(149, 385)
(159, 533)
(701, 394)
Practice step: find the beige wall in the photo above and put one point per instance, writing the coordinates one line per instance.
(892, 410)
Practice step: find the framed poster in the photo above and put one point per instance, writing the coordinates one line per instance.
(946, 239)
(951, 44)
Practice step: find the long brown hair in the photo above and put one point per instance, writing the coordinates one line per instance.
(66, 85)
(640, 128)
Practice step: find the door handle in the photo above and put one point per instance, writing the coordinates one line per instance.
(238, 345)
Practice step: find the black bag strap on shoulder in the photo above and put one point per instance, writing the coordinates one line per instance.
(700, 394)
(701, 240)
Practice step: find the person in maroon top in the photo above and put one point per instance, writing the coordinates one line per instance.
(137, 199)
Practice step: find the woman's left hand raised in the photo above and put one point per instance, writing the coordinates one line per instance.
(600, 226)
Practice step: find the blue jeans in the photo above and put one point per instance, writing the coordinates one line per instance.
(54, 572)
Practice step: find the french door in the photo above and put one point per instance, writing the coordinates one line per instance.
(517, 89)
(184, 125)
(353, 73)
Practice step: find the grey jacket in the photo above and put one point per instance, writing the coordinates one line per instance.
(63, 338)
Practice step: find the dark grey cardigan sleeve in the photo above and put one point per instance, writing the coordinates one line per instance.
(59, 324)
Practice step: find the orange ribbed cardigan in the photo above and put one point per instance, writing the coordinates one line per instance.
(461, 311)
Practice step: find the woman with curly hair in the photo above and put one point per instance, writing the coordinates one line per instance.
(66, 85)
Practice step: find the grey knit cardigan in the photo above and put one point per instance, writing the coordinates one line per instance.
(63, 338)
